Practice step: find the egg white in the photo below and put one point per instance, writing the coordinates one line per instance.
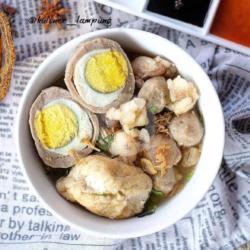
(85, 128)
(89, 95)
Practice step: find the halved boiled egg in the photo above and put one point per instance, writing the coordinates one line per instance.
(61, 128)
(99, 75)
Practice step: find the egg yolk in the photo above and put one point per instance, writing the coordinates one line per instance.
(56, 126)
(107, 71)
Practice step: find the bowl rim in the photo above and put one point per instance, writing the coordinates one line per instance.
(141, 232)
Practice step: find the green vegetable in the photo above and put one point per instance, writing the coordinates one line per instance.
(157, 193)
(153, 109)
(149, 210)
(189, 175)
(104, 143)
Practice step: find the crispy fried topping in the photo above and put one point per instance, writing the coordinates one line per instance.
(88, 143)
(161, 122)
(109, 131)
(162, 158)
(147, 166)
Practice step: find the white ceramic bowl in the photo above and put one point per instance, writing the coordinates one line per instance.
(171, 211)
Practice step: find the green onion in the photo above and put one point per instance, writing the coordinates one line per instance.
(150, 210)
(153, 109)
(189, 175)
(104, 143)
(157, 193)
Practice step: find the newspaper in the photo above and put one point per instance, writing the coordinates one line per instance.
(221, 220)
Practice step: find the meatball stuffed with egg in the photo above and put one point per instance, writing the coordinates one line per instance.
(99, 75)
(61, 128)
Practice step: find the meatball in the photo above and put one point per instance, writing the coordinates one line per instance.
(106, 187)
(162, 151)
(155, 92)
(165, 183)
(171, 70)
(186, 129)
(144, 67)
(190, 157)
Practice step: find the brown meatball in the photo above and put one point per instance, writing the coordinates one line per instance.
(155, 92)
(144, 67)
(186, 129)
(165, 183)
(172, 152)
(190, 157)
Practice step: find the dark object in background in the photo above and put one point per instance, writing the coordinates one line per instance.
(189, 11)
(242, 125)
